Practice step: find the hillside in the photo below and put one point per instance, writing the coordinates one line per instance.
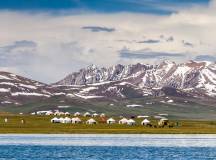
(186, 90)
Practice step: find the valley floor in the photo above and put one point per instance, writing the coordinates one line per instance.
(42, 124)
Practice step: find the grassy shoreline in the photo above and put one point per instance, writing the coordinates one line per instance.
(42, 125)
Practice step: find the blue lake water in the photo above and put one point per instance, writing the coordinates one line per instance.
(107, 147)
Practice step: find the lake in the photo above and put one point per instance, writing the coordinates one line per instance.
(108, 147)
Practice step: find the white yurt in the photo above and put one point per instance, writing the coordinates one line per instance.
(145, 122)
(123, 121)
(61, 113)
(57, 113)
(67, 113)
(102, 115)
(163, 121)
(94, 115)
(67, 120)
(61, 120)
(131, 122)
(91, 121)
(55, 120)
(76, 120)
(111, 121)
(87, 114)
(48, 113)
(77, 114)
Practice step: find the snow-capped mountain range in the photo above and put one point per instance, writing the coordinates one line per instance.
(195, 79)
(14, 89)
(192, 77)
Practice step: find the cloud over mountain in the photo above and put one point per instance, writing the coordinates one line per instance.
(148, 54)
(150, 41)
(49, 45)
(98, 29)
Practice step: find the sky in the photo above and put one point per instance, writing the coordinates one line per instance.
(47, 39)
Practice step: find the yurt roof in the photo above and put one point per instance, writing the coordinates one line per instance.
(76, 119)
(66, 118)
(91, 120)
(55, 118)
(124, 119)
(131, 120)
(111, 119)
(145, 121)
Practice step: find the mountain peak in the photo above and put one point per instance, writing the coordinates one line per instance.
(92, 67)
(192, 75)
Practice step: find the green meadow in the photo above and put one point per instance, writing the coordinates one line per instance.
(42, 124)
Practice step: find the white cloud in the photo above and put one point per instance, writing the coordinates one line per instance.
(64, 46)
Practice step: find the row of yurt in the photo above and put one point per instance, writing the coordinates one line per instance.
(122, 121)
(90, 121)
(66, 120)
(77, 120)
(126, 121)
(132, 122)
(87, 114)
(42, 113)
(59, 113)
(49, 113)
(74, 120)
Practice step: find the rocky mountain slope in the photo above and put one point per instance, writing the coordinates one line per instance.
(197, 79)
(15, 90)
(186, 90)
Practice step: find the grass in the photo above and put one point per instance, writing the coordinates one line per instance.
(42, 124)
(177, 110)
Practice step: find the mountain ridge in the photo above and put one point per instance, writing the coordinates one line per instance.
(183, 90)
(192, 76)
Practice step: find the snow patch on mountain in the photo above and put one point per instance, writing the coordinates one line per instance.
(6, 102)
(189, 77)
(88, 97)
(133, 105)
(5, 77)
(29, 94)
(86, 90)
(28, 86)
(4, 89)
(59, 93)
